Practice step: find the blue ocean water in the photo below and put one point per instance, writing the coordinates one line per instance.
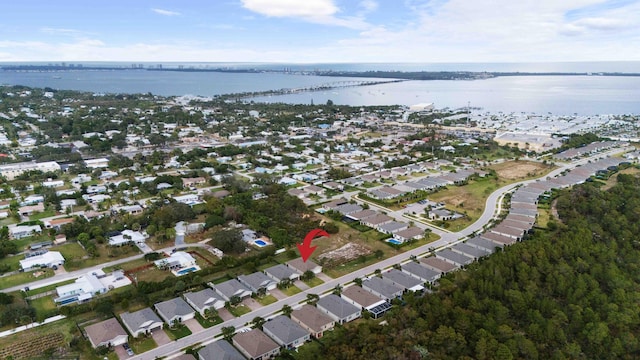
(560, 95)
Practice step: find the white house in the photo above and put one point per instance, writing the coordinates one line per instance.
(22, 231)
(48, 259)
(177, 260)
(82, 290)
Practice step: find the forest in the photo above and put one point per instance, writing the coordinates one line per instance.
(567, 292)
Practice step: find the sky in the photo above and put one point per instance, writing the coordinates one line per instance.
(320, 31)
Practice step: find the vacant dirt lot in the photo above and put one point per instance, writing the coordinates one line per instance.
(345, 253)
(512, 170)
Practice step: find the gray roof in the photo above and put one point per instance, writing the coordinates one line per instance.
(203, 298)
(398, 277)
(393, 226)
(280, 272)
(172, 308)
(136, 319)
(284, 330)
(359, 215)
(231, 287)
(470, 250)
(448, 254)
(348, 209)
(483, 243)
(383, 287)
(360, 296)
(421, 272)
(256, 280)
(337, 306)
(219, 350)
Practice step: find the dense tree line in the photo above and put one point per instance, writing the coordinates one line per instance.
(568, 293)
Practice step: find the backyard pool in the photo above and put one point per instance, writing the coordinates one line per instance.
(394, 241)
(186, 271)
(260, 243)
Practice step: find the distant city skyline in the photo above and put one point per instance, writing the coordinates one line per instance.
(317, 31)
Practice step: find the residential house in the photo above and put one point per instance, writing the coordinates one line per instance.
(312, 320)
(219, 350)
(420, 272)
(411, 233)
(392, 227)
(256, 345)
(175, 311)
(231, 288)
(438, 265)
(375, 221)
(286, 332)
(484, 244)
(470, 251)
(203, 300)
(80, 291)
(126, 237)
(143, 321)
(347, 209)
(107, 333)
(49, 259)
(301, 266)
(382, 288)
(23, 231)
(453, 257)
(374, 304)
(176, 261)
(338, 309)
(57, 223)
(29, 210)
(361, 215)
(258, 281)
(192, 182)
(403, 280)
(282, 272)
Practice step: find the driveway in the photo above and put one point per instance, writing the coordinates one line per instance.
(225, 314)
(121, 352)
(278, 294)
(301, 285)
(324, 277)
(193, 325)
(251, 304)
(160, 337)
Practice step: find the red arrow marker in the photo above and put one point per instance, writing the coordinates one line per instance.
(305, 248)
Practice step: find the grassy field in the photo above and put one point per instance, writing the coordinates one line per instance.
(42, 215)
(106, 253)
(24, 277)
(49, 288)
(613, 180)
(71, 251)
(13, 262)
(266, 300)
(45, 307)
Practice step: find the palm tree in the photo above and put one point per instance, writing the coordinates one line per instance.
(337, 290)
(228, 332)
(258, 322)
(286, 310)
(312, 299)
(357, 281)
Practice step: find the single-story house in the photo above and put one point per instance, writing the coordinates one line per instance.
(403, 280)
(82, 290)
(126, 237)
(258, 280)
(231, 288)
(374, 304)
(281, 272)
(453, 257)
(420, 272)
(338, 309)
(219, 350)
(107, 333)
(48, 259)
(438, 265)
(313, 320)
(29, 210)
(142, 321)
(382, 288)
(256, 345)
(411, 233)
(301, 266)
(177, 260)
(203, 300)
(23, 231)
(286, 332)
(175, 311)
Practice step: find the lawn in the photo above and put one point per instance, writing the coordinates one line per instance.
(239, 310)
(266, 300)
(142, 344)
(291, 290)
(24, 277)
(178, 332)
(313, 282)
(207, 323)
(13, 262)
(106, 253)
(42, 215)
(49, 288)
(45, 307)
(71, 251)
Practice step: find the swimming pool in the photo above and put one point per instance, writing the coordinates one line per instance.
(186, 271)
(394, 241)
(260, 243)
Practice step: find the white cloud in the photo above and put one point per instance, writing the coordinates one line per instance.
(165, 12)
(368, 5)
(291, 8)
